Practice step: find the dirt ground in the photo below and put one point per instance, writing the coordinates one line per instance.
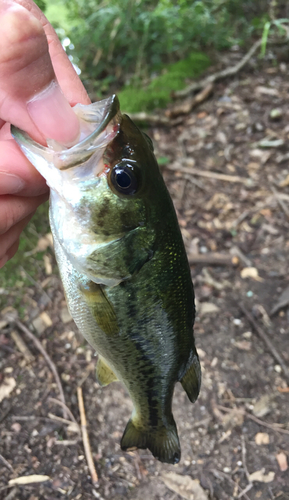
(239, 425)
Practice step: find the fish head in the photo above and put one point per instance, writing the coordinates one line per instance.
(104, 193)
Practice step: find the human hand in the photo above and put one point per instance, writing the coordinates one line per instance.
(33, 68)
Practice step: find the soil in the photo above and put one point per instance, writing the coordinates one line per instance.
(231, 431)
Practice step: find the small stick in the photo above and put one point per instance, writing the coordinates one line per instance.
(48, 360)
(85, 438)
(9, 466)
(218, 474)
(186, 107)
(273, 427)
(250, 484)
(22, 347)
(213, 258)
(280, 201)
(232, 70)
(60, 403)
(153, 119)
(266, 340)
(208, 174)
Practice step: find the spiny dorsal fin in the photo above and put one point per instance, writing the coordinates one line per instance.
(101, 308)
(104, 374)
(191, 380)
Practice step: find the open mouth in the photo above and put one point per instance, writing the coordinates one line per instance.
(99, 123)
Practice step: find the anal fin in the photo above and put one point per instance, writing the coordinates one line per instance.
(191, 380)
(104, 373)
(101, 308)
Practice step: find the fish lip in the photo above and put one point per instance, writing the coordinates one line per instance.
(64, 159)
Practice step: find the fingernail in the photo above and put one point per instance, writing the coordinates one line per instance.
(53, 115)
(10, 183)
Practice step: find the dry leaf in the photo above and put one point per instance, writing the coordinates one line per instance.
(208, 308)
(262, 438)
(282, 461)
(184, 486)
(7, 387)
(244, 345)
(266, 91)
(261, 407)
(250, 272)
(261, 477)
(35, 478)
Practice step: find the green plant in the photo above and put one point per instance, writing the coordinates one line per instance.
(282, 30)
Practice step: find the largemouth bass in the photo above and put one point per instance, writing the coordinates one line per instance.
(123, 266)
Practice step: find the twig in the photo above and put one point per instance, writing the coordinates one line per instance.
(220, 74)
(22, 347)
(266, 340)
(218, 474)
(85, 438)
(9, 466)
(73, 425)
(48, 360)
(186, 107)
(250, 484)
(209, 174)
(273, 427)
(63, 405)
(281, 202)
(153, 119)
(214, 259)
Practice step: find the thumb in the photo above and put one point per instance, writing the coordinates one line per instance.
(30, 96)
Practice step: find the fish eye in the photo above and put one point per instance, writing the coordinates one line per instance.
(123, 178)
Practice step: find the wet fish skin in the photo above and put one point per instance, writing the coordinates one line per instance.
(130, 293)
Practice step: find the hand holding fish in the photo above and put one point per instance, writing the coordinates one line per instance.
(33, 70)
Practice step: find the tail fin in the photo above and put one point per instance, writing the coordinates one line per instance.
(163, 442)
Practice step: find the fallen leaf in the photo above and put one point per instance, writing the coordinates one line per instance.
(282, 461)
(34, 478)
(262, 438)
(7, 387)
(266, 91)
(261, 407)
(65, 315)
(184, 486)
(261, 477)
(250, 272)
(208, 308)
(283, 389)
(243, 345)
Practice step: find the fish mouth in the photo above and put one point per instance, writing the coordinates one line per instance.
(103, 117)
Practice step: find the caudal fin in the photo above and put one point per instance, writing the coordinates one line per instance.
(163, 442)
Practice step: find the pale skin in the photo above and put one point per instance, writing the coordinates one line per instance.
(33, 69)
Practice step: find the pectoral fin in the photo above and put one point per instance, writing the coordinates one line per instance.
(101, 308)
(104, 374)
(191, 380)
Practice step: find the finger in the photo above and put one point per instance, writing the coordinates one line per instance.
(8, 239)
(10, 253)
(68, 79)
(30, 96)
(17, 175)
(14, 209)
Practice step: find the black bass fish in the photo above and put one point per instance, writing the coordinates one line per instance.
(123, 266)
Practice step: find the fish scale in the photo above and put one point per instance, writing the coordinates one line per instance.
(124, 268)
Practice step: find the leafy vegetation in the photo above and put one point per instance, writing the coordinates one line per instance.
(157, 93)
(129, 40)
